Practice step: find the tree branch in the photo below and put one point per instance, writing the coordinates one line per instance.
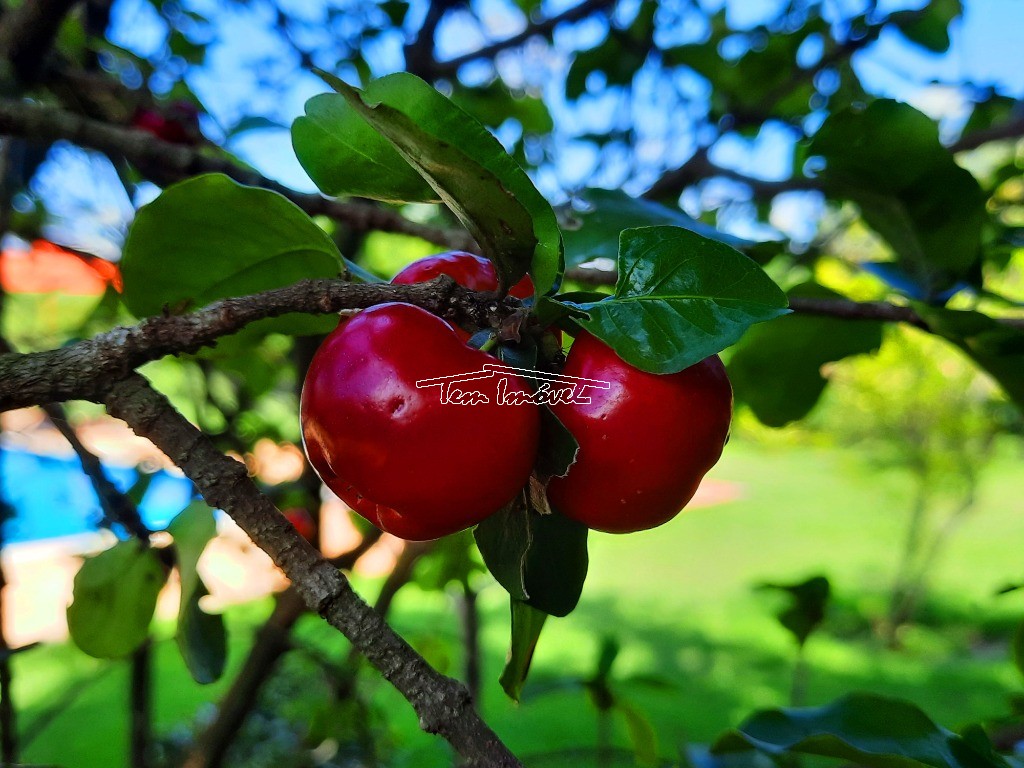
(82, 369)
(841, 308)
(542, 28)
(699, 167)
(1012, 129)
(442, 704)
(176, 161)
(116, 506)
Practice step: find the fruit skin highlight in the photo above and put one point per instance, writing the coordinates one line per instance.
(466, 269)
(645, 444)
(410, 464)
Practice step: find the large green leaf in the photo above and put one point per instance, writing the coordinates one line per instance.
(468, 169)
(343, 155)
(776, 367)
(539, 559)
(114, 598)
(679, 298)
(996, 347)
(201, 636)
(806, 611)
(868, 730)
(929, 26)
(527, 623)
(209, 238)
(593, 232)
(887, 158)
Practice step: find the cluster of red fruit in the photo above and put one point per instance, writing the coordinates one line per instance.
(420, 468)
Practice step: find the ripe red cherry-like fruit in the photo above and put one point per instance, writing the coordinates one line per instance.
(645, 443)
(412, 465)
(302, 521)
(466, 269)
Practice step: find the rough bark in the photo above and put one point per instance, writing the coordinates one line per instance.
(442, 704)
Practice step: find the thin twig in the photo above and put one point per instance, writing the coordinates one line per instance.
(176, 161)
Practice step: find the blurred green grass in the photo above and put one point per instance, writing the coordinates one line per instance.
(681, 602)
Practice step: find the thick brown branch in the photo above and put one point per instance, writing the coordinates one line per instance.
(541, 28)
(45, 123)
(442, 704)
(82, 369)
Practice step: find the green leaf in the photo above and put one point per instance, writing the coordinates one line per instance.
(807, 608)
(115, 595)
(996, 347)
(344, 155)
(641, 733)
(789, 353)
(679, 298)
(539, 559)
(1018, 648)
(887, 158)
(929, 27)
(556, 563)
(469, 170)
(201, 636)
(504, 539)
(209, 238)
(593, 233)
(558, 448)
(527, 624)
(868, 730)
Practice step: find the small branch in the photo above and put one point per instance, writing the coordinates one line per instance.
(470, 614)
(542, 28)
(82, 369)
(116, 506)
(699, 167)
(1013, 129)
(401, 574)
(442, 704)
(140, 707)
(175, 161)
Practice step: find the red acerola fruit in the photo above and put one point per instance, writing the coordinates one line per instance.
(302, 521)
(412, 464)
(466, 269)
(645, 443)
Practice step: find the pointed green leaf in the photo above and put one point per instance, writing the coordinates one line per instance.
(527, 623)
(679, 298)
(593, 233)
(869, 730)
(201, 636)
(887, 158)
(343, 155)
(470, 172)
(210, 238)
(115, 595)
(790, 352)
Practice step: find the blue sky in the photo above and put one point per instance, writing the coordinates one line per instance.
(985, 51)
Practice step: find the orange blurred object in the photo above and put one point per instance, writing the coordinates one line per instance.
(48, 268)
